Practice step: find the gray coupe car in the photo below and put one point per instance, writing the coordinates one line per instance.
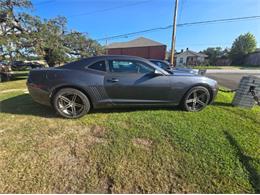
(106, 81)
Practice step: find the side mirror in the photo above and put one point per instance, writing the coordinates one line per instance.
(157, 72)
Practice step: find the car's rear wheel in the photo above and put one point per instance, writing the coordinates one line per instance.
(196, 99)
(71, 103)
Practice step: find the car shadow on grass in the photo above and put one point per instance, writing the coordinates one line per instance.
(222, 104)
(24, 105)
(122, 109)
(253, 175)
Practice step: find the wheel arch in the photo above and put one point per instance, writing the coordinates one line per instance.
(201, 85)
(56, 89)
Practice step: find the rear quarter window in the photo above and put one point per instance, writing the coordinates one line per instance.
(100, 66)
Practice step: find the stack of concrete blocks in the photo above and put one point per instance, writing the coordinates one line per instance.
(243, 97)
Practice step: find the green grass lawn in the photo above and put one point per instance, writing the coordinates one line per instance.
(21, 72)
(128, 150)
(205, 67)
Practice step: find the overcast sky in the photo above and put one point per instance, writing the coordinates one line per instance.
(101, 18)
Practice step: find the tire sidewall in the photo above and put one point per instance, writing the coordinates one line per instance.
(85, 100)
(185, 107)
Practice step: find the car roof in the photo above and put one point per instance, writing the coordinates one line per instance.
(115, 56)
(90, 60)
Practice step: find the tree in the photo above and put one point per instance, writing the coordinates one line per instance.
(213, 54)
(57, 47)
(23, 35)
(242, 46)
(12, 32)
(48, 40)
(81, 46)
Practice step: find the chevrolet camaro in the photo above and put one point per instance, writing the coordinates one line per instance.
(107, 81)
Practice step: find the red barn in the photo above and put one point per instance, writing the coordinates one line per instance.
(141, 47)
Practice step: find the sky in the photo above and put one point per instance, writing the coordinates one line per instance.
(103, 18)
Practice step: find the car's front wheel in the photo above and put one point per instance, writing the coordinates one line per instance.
(71, 103)
(196, 99)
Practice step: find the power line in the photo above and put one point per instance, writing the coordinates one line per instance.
(219, 20)
(109, 9)
(179, 25)
(97, 11)
(181, 9)
(134, 33)
(44, 2)
(203, 44)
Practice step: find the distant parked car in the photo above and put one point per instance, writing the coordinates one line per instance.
(4, 67)
(5, 70)
(107, 81)
(20, 65)
(169, 68)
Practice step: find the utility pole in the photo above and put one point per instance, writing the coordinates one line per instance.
(106, 45)
(174, 31)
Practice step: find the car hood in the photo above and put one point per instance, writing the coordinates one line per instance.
(183, 73)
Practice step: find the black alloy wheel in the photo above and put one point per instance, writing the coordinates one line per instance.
(196, 99)
(71, 103)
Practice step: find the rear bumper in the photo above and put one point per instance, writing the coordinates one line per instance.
(39, 95)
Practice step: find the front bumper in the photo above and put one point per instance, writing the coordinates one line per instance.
(214, 95)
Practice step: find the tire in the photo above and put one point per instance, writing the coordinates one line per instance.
(71, 103)
(196, 99)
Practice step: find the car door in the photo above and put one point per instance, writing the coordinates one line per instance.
(133, 81)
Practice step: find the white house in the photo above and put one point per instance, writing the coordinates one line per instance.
(189, 58)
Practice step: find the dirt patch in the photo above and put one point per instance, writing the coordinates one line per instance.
(14, 90)
(98, 131)
(67, 154)
(74, 167)
(142, 143)
(105, 186)
(77, 138)
(89, 135)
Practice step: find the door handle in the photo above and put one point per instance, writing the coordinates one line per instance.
(113, 80)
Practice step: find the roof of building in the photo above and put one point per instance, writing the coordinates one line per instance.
(192, 53)
(139, 42)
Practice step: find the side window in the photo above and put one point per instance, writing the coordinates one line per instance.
(101, 66)
(181, 60)
(127, 66)
(143, 68)
(122, 66)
